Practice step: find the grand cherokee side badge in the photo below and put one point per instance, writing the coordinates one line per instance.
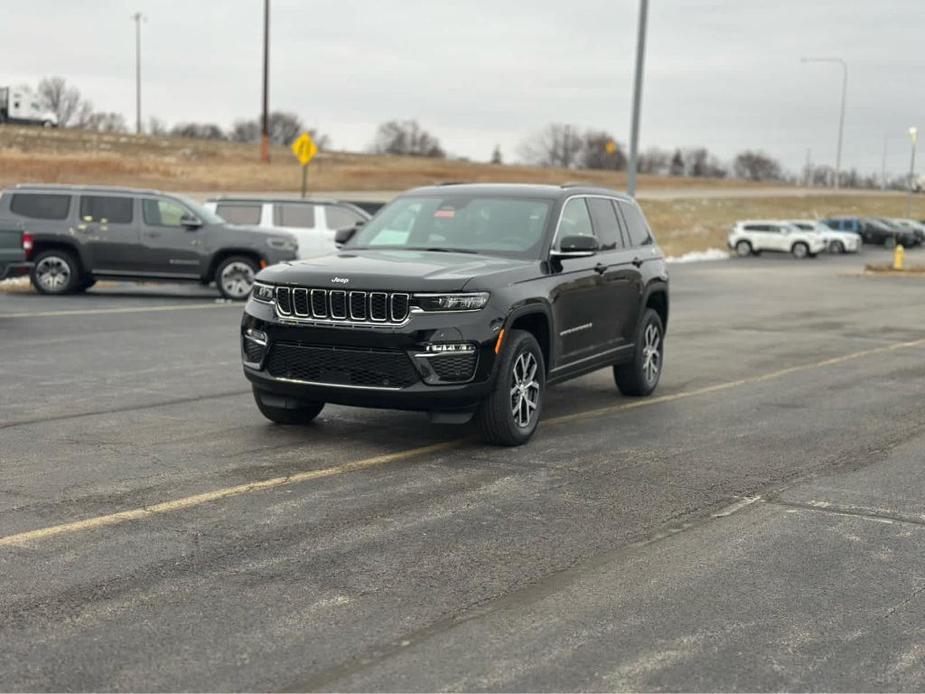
(339, 280)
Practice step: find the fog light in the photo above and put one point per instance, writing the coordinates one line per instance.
(257, 336)
(443, 348)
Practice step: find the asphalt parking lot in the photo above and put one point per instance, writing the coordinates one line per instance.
(758, 524)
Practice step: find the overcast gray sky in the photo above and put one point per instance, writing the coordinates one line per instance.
(725, 74)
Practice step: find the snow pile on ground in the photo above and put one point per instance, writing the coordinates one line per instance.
(699, 256)
(17, 284)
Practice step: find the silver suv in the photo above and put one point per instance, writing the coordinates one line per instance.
(81, 234)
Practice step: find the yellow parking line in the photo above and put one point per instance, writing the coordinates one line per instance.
(138, 309)
(22, 539)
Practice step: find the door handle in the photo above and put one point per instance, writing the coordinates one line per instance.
(600, 268)
(637, 262)
(153, 234)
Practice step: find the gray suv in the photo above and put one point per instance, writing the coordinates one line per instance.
(81, 234)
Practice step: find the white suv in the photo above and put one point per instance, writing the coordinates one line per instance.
(312, 222)
(754, 236)
(835, 241)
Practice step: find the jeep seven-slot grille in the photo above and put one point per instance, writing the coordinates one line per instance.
(345, 366)
(343, 305)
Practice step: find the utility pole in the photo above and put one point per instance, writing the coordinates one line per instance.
(883, 165)
(809, 168)
(637, 97)
(841, 118)
(265, 139)
(913, 135)
(138, 17)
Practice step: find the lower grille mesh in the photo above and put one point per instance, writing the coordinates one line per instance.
(341, 365)
(454, 367)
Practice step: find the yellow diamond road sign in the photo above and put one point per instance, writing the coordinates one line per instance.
(304, 148)
(611, 147)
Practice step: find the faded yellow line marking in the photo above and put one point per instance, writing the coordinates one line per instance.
(22, 539)
(137, 309)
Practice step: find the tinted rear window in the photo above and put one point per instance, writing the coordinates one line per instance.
(606, 225)
(111, 209)
(341, 217)
(40, 205)
(239, 214)
(636, 225)
(297, 215)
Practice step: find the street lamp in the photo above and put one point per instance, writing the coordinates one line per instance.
(841, 118)
(913, 135)
(265, 118)
(138, 18)
(637, 98)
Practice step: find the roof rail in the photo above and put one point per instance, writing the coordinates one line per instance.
(452, 183)
(579, 184)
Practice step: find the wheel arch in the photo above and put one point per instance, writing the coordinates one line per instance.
(41, 245)
(656, 298)
(536, 319)
(226, 253)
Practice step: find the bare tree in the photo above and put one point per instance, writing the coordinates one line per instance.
(406, 137)
(676, 168)
(654, 161)
(202, 131)
(698, 162)
(756, 166)
(65, 101)
(558, 144)
(284, 128)
(156, 127)
(596, 146)
(496, 155)
(105, 122)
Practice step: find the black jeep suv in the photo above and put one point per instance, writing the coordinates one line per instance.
(463, 300)
(81, 234)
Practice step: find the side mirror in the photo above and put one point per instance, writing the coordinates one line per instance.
(576, 247)
(191, 222)
(342, 236)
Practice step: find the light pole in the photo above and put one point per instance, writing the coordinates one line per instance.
(637, 97)
(138, 18)
(265, 137)
(913, 135)
(841, 118)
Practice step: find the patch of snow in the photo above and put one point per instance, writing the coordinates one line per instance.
(699, 256)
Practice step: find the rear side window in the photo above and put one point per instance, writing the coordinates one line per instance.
(636, 225)
(297, 215)
(106, 209)
(239, 214)
(606, 224)
(341, 217)
(40, 206)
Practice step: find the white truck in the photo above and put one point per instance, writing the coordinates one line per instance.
(22, 105)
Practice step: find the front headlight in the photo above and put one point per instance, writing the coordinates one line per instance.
(262, 292)
(470, 301)
(282, 244)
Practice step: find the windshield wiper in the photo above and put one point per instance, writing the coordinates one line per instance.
(435, 249)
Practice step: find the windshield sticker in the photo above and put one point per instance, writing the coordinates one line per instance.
(445, 214)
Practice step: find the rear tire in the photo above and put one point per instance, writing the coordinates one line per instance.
(800, 250)
(640, 377)
(511, 412)
(889, 243)
(56, 272)
(300, 413)
(234, 277)
(836, 247)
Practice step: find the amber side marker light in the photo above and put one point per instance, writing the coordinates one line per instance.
(499, 341)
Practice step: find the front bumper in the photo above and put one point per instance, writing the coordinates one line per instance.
(417, 381)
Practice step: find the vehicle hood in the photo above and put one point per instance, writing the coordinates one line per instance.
(414, 271)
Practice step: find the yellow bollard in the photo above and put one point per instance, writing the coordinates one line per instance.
(899, 255)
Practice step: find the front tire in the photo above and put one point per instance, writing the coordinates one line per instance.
(800, 250)
(56, 272)
(889, 243)
(640, 377)
(836, 247)
(234, 277)
(299, 413)
(511, 412)
(743, 249)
